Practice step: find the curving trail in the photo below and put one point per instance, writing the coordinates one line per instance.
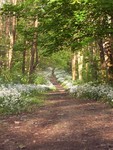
(64, 123)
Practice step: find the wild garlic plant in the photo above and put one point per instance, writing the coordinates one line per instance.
(63, 78)
(97, 92)
(13, 97)
(86, 90)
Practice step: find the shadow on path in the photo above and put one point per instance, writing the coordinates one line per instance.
(64, 123)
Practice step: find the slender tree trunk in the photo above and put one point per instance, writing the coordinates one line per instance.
(80, 65)
(102, 58)
(24, 58)
(35, 43)
(32, 59)
(109, 57)
(12, 35)
(1, 28)
(93, 61)
(103, 67)
(34, 51)
(10, 52)
(74, 60)
(24, 62)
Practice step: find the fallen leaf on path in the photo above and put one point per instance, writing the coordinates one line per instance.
(16, 122)
(21, 146)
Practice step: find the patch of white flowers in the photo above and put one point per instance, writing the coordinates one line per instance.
(87, 90)
(48, 72)
(63, 78)
(11, 95)
(96, 92)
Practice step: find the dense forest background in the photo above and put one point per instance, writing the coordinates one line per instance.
(75, 35)
(56, 74)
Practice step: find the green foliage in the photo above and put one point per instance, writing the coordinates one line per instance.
(40, 80)
(19, 46)
(62, 60)
(13, 77)
(5, 76)
(78, 82)
(63, 26)
(35, 98)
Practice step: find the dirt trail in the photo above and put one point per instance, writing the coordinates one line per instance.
(64, 123)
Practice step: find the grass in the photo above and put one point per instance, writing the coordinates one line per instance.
(35, 102)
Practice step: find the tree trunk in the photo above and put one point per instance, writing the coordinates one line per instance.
(103, 66)
(24, 62)
(102, 57)
(1, 28)
(32, 59)
(80, 65)
(12, 35)
(34, 51)
(109, 58)
(74, 60)
(35, 43)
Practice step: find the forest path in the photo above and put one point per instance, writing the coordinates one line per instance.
(64, 123)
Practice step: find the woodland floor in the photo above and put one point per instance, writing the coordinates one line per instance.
(64, 123)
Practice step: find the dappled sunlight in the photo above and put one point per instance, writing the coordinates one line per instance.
(75, 123)
(58, 130)
(56, 75)
(63, 123)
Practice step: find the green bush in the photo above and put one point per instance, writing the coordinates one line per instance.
(40, 80)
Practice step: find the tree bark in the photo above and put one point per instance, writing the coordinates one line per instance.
(74, 60)
(34, 51)
(109, 57)
(102, 57)
(80, 65)
(12, 35)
